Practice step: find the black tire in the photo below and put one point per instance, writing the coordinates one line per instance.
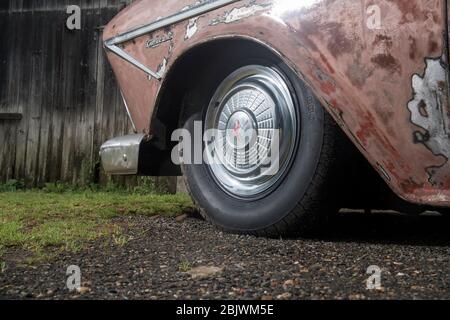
(303, 199)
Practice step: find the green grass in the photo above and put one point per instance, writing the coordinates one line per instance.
(39, 220)
(184, 266)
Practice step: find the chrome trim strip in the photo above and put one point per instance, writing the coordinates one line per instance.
(121, 53)
(128, 111)
(190, 12)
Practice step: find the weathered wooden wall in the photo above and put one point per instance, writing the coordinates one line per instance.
(61, 84)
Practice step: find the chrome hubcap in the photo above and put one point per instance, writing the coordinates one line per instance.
(254, 124)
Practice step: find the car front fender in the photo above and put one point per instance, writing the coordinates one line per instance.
(366, 73)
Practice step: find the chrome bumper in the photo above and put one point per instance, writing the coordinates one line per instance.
(120, 156)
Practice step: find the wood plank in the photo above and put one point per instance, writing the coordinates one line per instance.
(49, 96)
(8, 97)
(4, 127)
(22, 62)
(72, 52)
(88, 65)
(34, 104)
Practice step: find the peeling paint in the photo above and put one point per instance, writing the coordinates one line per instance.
(191, 29)
(162, 67)
(240, 13)
(429, 112)
(197, 4)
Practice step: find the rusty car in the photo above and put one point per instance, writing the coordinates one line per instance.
(357, 92)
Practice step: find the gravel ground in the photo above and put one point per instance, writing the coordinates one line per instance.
(186, 258)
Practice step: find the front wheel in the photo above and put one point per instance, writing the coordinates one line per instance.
(269, 155)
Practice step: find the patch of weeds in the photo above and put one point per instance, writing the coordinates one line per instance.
(146, 185)
(120, 239)
(11, 233)
(57, 187)
(12, 185)
(2, 266)
(184, 266)
(93, 187)
(109, 213)
(112, 187)
(63, 233)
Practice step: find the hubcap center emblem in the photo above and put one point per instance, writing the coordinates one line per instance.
(241, 130)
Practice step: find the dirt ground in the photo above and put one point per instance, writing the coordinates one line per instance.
(186, 258)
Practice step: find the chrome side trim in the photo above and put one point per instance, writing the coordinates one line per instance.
(121, 53)
(120, 156)
(185, 14)
(128, 111)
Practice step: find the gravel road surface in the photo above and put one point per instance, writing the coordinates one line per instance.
(186, 258)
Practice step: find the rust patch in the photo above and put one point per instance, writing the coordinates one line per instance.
(333, 32)
(369, 130)
(410, 186)
(423, 109)
(307, 28)
(325, 61)
(412, 47)
(327, 88)
(338, 43)
(384, 40)
(387, 62)
(358, 74)
(433, 46)
(385, 116)
(327, 85)
(410, 11)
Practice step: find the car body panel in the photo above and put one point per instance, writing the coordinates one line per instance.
(379, 68)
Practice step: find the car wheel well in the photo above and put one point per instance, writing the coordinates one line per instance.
(198, 69)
